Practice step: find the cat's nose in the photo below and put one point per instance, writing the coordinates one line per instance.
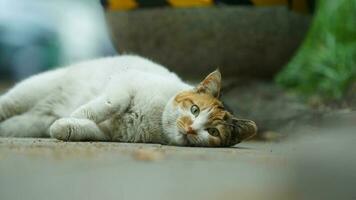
(191, 131)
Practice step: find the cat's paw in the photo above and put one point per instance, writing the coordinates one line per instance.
(61, 129)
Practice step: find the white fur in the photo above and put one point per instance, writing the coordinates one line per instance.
(124, 98)
(199, 126)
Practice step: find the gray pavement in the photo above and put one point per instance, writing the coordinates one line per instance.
(315, 163)
(50, 169)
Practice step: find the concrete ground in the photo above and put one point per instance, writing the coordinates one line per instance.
(50, 169)
(316, 164)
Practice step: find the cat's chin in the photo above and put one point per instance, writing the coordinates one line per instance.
(174, 137)
(178, 140)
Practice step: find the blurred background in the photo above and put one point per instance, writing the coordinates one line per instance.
(38, 35)
(233, 35)
(289, 65)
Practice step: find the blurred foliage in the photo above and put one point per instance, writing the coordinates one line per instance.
(325, 65)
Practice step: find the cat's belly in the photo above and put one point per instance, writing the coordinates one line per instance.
(135, 127)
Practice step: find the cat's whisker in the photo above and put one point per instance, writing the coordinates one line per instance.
(197, 140)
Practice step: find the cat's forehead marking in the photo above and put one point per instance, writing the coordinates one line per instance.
(204, 101)
(217, 114)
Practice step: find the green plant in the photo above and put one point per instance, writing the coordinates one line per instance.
(325, 65)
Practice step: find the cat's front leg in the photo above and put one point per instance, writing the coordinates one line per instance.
(73, 129)
(103, 107)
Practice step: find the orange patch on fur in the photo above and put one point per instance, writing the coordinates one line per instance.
(203, 101)
(184, 122)
(187, 120)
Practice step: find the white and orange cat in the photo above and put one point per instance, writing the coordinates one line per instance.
(125, 99)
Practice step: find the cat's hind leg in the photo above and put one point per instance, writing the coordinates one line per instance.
(27, 125)
(36, 121)
(25, 95)
(73, 129)
(11, 106)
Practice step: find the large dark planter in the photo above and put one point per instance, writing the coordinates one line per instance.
(241, 41)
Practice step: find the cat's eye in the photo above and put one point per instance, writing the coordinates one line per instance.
(214, 132)
(195, 110)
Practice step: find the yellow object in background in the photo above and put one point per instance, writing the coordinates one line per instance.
(122, 4)
(190, 3)
(295, 5)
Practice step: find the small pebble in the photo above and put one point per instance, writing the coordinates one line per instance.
(148, 155)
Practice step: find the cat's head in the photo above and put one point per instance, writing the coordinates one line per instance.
(198, 118)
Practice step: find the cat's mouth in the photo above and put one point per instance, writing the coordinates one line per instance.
(189, 140)
(184, 137)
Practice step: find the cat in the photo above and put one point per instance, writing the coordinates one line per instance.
(125, 98)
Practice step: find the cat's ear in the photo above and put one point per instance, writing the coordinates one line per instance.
(243, 129)
(211, 84)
